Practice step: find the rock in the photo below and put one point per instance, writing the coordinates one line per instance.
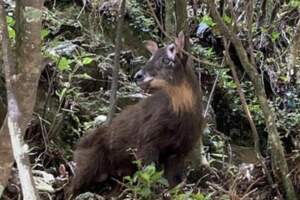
(89, 196)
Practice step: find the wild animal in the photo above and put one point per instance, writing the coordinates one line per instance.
(162, 128)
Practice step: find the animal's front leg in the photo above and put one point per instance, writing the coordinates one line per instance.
(174, 166)
(148, 155)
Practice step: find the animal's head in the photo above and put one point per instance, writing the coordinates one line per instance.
(165, 68)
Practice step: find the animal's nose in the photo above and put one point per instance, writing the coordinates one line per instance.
(139, 76)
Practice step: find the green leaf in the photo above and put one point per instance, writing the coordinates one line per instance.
(150, 169)
(145, 192)
(44, 33)
(10, 21)
(227, 19)
(208, 21)
(64, 64)
(275, 35)
(11, 33)
(145, 177)
(87, 60)
(198, 196)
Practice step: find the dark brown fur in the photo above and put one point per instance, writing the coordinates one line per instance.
(162, 128)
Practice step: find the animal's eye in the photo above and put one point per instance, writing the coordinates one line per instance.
(167, 61)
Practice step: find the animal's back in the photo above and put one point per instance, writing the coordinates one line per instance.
(130, 128)
(154, 122)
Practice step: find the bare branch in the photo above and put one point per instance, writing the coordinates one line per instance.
(115, 75)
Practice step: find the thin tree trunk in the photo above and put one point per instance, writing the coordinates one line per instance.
(115, 75)
(21, 83)
(6, 154)
(182, 20)
(278, 157)
(7, 158)
(293, 70)
(170, 20)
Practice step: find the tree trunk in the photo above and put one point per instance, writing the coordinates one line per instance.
(293, 64)
(21, 83)
(2, 111)
(7, 158)
(182, 20)
(170, 20)
(269, 9)
(277, 150)
(115, 75)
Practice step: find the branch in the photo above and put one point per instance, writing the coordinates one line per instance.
(249, 19)
(115, 74)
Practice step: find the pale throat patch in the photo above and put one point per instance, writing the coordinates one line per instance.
(182, 98)
(148, 78)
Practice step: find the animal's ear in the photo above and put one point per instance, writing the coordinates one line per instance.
(151, 46)
(179, 42)
(176, 48)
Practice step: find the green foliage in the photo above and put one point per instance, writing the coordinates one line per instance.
(44, 33)
(210, 53)
(288, 113)
(144, 182)
(295, 3)
(227, 82)
(148, 183)
(226, 79)
(10, 21)
(64, 64)
(10, 24)
(189, 195)
(274, 36)
(227, 19)
(206, 19)
(87, 60)
(141, 21)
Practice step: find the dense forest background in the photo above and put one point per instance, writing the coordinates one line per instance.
(60, 61)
